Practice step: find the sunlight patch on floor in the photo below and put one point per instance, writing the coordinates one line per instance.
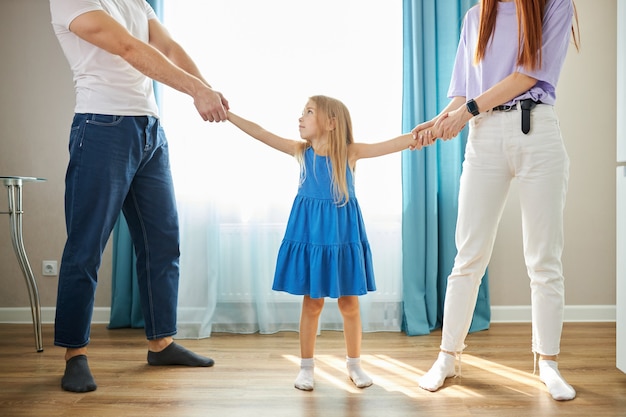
(397, 376)
(342, 382)
(388, 373)
(512, 374)
(394, 375)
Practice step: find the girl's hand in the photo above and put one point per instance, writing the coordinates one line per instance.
(424, 135)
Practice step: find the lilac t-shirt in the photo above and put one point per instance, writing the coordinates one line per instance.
(470, 80)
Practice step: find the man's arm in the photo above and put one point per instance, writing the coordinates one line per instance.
(160, 39)
(101, 30)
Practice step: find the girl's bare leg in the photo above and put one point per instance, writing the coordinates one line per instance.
(352, 330)
(309, 319)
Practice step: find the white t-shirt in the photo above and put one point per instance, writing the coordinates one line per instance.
(105, 83)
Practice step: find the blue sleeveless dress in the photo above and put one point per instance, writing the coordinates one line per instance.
(325, 251)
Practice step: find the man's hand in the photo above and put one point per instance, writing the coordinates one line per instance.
(211, 105)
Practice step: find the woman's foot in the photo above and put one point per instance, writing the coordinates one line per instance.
(559, 389)
(442, 368)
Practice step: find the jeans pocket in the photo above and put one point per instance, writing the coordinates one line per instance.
(104, 120)
(75, 137)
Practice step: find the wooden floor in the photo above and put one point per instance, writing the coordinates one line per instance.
(254, 375)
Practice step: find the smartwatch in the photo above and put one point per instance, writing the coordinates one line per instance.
(472, 107)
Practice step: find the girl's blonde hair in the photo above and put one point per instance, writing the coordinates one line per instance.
(333, 112)
(529, 30)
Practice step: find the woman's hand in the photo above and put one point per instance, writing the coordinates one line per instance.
(449, 125)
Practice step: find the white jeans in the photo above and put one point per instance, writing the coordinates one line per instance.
(497, 151)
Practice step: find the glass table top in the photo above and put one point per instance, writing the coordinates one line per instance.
(14, 180)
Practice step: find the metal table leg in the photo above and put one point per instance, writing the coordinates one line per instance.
(15, 219)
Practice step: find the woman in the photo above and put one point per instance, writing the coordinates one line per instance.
(504, 83)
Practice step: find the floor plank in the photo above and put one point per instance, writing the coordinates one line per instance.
(254, 375)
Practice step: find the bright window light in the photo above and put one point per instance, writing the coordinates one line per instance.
(268, 58)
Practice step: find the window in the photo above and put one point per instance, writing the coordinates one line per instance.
(267, 58)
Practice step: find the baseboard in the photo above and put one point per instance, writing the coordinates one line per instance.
(499, 314)
(20, 315)
(582, 313)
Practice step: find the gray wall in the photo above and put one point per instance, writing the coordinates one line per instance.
(586, 107)
(36, 106)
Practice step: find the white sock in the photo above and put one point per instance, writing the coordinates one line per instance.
(559, 389)
(442, 368)
(305, 381)
(357, 375)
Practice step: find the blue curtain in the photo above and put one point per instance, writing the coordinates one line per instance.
(430, 177)
(125, 304)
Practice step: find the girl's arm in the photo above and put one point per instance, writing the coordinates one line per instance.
(357, 151)
(284, 145)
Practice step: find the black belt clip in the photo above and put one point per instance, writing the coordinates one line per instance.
(526, 105)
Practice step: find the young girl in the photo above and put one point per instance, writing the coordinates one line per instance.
(325, 251)
(504, 84)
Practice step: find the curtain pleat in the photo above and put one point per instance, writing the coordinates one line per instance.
(125, 304)
(430, 177)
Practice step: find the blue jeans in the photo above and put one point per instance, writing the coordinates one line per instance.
(118, 163)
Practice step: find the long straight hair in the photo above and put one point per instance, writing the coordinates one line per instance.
(529, 30)
(331, 110)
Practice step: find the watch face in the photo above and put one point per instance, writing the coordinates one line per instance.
(472, 107)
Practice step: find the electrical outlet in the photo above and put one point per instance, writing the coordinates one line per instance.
(49, 268)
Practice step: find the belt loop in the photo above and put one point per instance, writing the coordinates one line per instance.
(526, 106)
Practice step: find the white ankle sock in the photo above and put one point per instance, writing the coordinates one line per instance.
(442, 368)
(357, 375)
(559, 389)
(305, 381)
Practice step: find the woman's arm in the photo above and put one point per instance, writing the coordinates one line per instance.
(287, 146)
(502, 92)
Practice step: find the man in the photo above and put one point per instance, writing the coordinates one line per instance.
(119, 161)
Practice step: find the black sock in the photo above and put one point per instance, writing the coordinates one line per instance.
(177, 355)
(77, 377)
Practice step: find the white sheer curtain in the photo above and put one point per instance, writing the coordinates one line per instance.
(234, 194)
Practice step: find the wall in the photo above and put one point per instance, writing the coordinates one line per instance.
(36, 107)
(589, 129)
